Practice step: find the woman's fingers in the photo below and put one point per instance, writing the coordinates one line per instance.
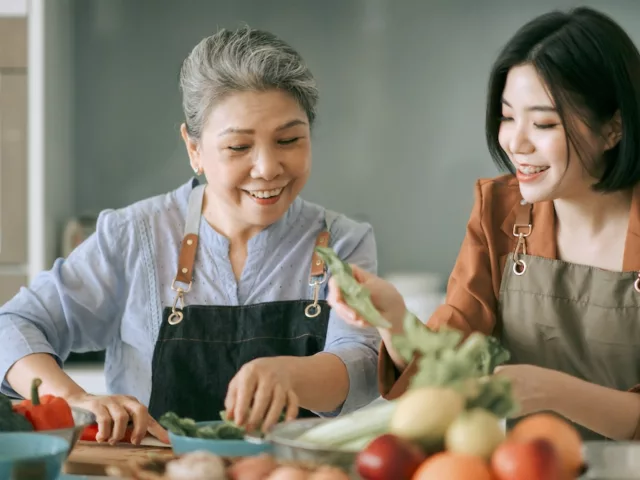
(278, 402)
(120, 418)
(104, 421)
(114, 414)
(140, 416)
(230, 399)
(155, 429)
(244, 395)
(261, 402)
(292, 406)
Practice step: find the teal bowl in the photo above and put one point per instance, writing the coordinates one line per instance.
(26, 455)
(223, 448)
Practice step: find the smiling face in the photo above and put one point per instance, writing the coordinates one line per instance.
(532, 135)
(255, 152)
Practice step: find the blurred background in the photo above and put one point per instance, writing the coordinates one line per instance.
(90, 115)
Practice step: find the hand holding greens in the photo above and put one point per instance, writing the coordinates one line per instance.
(354, 294)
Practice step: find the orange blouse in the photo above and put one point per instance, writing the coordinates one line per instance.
(474, 285)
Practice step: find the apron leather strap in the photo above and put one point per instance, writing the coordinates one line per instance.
(317, 264)
(523, 224)
(189, 244)
(318, 272)
(521, 229)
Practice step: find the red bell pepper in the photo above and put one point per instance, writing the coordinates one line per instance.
(89, 434)
(47, 412)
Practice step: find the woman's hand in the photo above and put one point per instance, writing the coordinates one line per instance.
(113, 414)
(259, 393)
(384, 296)
(533, 387)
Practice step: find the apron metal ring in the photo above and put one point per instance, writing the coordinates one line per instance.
(175, 318)
(636, 284)
(312, 310)
(520, 266)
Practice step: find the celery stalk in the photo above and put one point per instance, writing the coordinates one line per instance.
(358, 444)
(363, 423)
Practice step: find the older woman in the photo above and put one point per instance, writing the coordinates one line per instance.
(209, 297)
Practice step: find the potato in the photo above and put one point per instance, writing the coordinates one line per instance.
(423, 415)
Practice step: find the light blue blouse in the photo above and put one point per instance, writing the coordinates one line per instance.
(110, 292)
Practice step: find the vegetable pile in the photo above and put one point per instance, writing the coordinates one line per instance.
(40, 413)
(202, 465)
(448, 424)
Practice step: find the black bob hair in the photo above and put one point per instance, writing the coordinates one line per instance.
(591, 68)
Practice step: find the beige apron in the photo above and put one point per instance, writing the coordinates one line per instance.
(580, 320)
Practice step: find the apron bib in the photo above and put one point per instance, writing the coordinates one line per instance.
(200, 348)
(576, 319)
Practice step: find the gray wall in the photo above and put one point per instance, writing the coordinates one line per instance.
(400, 137)
(58, 123)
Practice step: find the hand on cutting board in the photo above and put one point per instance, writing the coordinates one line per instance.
(114, 414)
(384, 296)
(259, 393)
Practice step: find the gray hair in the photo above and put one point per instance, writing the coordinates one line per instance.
(242, 60)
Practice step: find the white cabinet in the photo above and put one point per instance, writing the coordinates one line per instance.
(13, 154)
(13, 8)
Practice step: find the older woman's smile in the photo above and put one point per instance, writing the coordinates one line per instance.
(265, 197)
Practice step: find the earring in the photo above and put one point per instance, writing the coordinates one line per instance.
(197, 171)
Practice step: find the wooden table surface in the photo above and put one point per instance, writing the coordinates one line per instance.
(90, 458)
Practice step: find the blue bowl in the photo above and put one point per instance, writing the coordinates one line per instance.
(31, 455)
(223, 448)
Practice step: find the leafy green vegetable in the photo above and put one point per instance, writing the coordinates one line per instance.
(354, 294)
(445, 360)
(187, 427)
(179, 426)
(5, 404)
(227, 430)
(11, 421)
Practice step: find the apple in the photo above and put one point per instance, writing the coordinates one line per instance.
(527, 460)
(389, 456)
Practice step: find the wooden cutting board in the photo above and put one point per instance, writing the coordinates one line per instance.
(88, 458)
